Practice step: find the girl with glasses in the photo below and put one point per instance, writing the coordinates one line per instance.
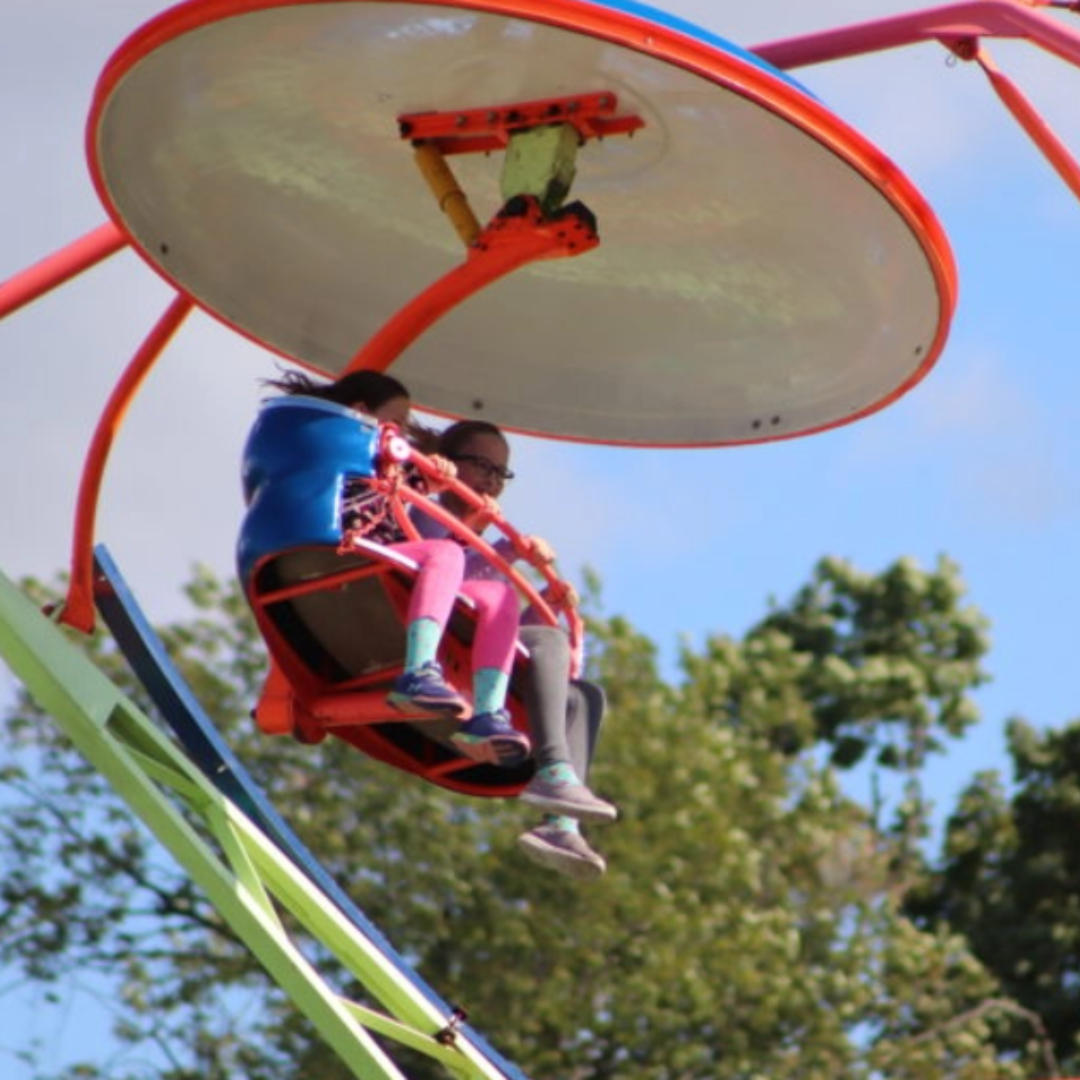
(564, 715)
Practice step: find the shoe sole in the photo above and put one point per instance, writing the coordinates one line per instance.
(602, 814)
(494, 750)
(559, 860)
(442, 710)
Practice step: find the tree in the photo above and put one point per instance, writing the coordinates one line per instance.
(1009, 880)
(750, 924)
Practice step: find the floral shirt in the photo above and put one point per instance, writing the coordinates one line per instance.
(366, 512)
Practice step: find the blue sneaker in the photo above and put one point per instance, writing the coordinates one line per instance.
(490, 737)
(426, 691)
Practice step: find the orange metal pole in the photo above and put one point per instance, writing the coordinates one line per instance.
(444, 186)
(78, 610)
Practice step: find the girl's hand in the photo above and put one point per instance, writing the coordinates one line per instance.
(446, 471)
(478, 520)
(562, 594)
(540, 551)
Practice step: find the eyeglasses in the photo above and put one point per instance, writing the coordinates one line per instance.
(490, 470)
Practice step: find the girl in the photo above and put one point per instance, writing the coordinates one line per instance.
(488, 735)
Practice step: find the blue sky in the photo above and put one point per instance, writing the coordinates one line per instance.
(979, 462)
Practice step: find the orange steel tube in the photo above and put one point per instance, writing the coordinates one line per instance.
(504, 246)
(59, 267)
(453, 202)
(403, 328)
(78, 610)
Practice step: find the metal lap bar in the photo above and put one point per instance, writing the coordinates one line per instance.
(329, 581)
(470, 536)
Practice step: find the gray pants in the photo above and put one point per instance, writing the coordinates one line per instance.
(564, 714)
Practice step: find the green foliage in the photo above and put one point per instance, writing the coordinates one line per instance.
(750, 924)
(890, 659)
(1010, 882)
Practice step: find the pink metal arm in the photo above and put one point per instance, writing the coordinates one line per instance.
(958, 27)
(1027, 116)
(950, 24)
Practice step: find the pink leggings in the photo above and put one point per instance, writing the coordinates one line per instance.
(442, 567)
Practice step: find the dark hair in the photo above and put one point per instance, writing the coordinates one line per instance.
(373, 388)
(457, 436)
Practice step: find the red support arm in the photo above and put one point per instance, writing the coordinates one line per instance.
(510, 241)
(958, 27)
(59, 267)
(78, 608)
(1027, 116)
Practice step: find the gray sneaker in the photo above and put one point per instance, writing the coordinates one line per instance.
(573, 800)
(563, 851)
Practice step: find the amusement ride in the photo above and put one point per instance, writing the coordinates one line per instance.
(451, 190)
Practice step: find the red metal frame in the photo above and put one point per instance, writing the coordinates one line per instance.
(322, 707)
(294, 701)
(471, 131)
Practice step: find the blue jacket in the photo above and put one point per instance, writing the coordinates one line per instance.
(298, 455)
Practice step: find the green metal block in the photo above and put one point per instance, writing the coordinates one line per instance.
(541, 162)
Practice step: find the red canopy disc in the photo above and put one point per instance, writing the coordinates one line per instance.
(763, 271)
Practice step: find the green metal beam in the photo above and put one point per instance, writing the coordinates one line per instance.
(243, 874)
